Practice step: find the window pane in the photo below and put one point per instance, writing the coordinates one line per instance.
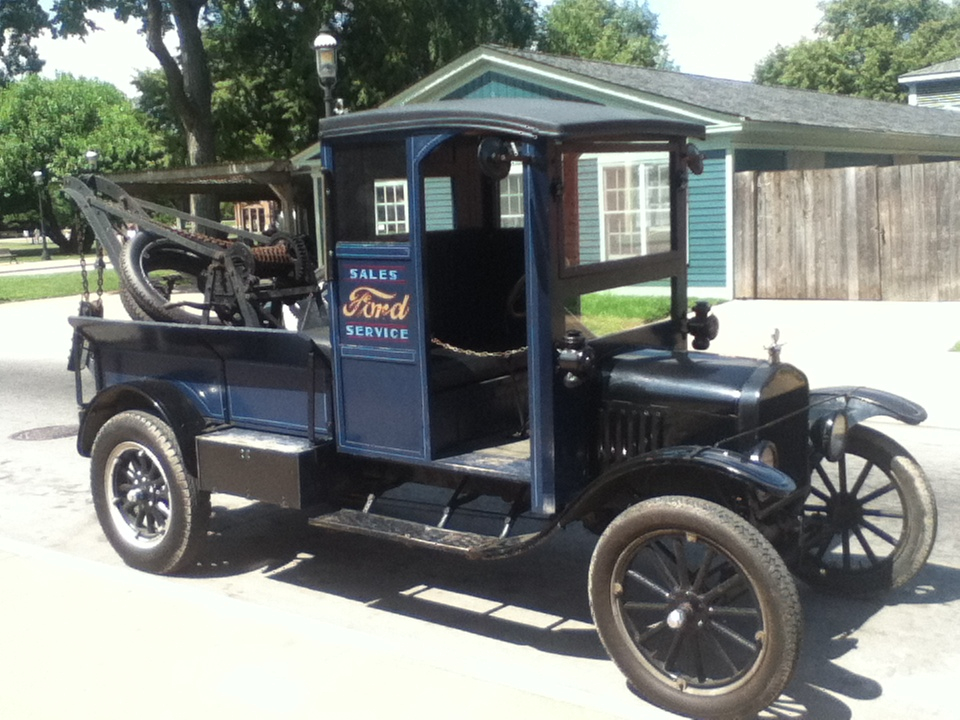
(391, 207)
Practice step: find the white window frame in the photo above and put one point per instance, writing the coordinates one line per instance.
(395, 216)
(510, 195)
(629, 161)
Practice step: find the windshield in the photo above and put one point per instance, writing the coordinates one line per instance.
(618, 249)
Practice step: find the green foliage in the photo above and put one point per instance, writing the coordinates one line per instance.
(863, 46)
(20, 22)
(266, 98)
(49, 125)
(621, 32)
(391, 44)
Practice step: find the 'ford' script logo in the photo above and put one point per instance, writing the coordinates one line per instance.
(372, 304)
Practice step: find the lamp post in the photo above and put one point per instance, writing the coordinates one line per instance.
(38, 178)
(325, 46)
(92, 157)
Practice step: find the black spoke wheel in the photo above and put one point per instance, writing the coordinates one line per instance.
(870, 519)
(147, 504)
(696, 608)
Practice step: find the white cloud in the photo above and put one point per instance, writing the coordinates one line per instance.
(727, 39)
(114, 54)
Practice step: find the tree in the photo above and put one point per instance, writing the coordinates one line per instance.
(621, 32)
(20, 22)
(187, 75)
(266, 100)
(391, 44)
(49, 125)
(863, 46)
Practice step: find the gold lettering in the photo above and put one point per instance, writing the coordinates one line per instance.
(372, 304)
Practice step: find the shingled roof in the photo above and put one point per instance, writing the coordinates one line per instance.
(751, 102)
(943, 68)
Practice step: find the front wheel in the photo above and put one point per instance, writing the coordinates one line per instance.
(696, 608)
(870, 520)
(148, 505)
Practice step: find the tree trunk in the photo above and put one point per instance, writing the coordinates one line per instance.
(52, 226)
(191, 89)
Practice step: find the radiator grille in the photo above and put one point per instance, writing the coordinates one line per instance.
(627, 430)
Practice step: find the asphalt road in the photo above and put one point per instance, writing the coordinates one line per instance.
(284, 621)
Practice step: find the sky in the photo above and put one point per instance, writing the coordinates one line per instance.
(706, 37)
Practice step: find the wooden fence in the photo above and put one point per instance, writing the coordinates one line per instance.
(863, 233)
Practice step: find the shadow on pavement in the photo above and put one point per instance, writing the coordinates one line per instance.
(538, 599)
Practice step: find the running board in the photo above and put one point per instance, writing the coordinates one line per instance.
(472, 545)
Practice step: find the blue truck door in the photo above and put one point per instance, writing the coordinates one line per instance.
(379, 351)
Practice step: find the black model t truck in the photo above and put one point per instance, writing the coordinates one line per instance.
(444, 331)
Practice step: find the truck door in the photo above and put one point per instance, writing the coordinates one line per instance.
(376, 303)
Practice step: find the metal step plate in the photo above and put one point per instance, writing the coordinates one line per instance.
(470, 544)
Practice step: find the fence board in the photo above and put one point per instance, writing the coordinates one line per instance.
(855, 233)
(745, 235)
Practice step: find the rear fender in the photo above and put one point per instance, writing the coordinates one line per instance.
(706, 472)
(153, 396)
(861, 403)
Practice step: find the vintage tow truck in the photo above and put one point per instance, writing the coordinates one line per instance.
(439, 334)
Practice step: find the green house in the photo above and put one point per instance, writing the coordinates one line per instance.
(749, 127)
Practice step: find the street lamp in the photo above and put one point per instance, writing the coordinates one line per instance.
(92, 157)
(325, 46)
(38, 178)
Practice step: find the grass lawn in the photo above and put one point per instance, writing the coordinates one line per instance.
(604, 313)
(36, 287)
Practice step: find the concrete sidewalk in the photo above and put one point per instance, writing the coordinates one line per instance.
(47, 267)
(180, 650)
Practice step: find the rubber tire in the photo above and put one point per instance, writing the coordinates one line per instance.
(135, 266)
(920, 514)
(189, 508)
(757, 560)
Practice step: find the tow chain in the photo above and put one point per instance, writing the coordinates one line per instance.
(94, 308)
(505, 354)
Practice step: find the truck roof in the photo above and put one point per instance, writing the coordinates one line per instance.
(525, 118)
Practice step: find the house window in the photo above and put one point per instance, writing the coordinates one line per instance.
(511, 198)
(635, 199)
(390, 205)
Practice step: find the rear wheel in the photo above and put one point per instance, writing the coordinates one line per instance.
(870, 520)
(148, 505)
(695, 607)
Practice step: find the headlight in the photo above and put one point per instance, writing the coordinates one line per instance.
(829, 435)
(766, 453)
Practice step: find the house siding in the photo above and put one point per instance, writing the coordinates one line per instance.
(588, 178)
(438, 203)
(497, 85)
(707, 223)
(939, 94)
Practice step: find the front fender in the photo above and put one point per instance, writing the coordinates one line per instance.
(154, 396)
(861, 403)
(705, 466)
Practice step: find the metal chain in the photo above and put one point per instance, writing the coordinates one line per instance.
(506, 354)
(101, 266)
(85, 295)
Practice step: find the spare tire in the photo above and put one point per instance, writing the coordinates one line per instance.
(147, 253)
